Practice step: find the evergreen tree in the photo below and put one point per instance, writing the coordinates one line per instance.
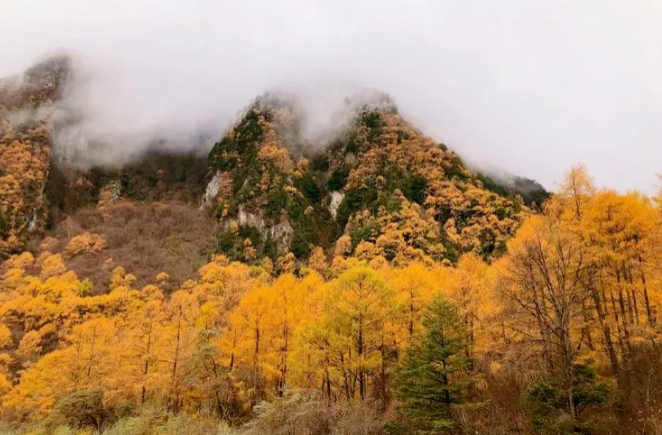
(434, 376)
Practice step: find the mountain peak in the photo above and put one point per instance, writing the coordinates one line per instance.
(394, 192)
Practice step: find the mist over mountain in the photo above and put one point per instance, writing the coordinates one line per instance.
(518, 85)
(363, 157)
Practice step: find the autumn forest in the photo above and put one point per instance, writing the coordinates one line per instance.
(372, 285)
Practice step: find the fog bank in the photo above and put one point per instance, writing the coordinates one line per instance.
(530, 86)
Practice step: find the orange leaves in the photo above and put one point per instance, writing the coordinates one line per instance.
(27, 163)
(5, 337)
(24, 167)
(108, 196)
(277, 156)
(409, 234)
(30, 345)
(441, 189)
(582, 279)
(86, 242)
(343, 246)
(317, 260)
(52, 265)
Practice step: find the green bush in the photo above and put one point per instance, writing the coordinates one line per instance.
(247, 135)
(232, 245)
(320, 163)
(270, 249)
(367, 232)
(455, 169)
(84, 408)
(373, 120)
(436, 375)
(493, 186)
(337, 179)
(251, 233)
(354, 200)
(277, 202)
(307, 186)
(4, 225)
(414, 189)
(549, 400)
(301, 243)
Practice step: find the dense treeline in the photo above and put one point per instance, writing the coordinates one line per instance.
(559, 335)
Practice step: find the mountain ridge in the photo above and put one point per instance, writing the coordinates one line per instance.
(372, 170)
(376, 185)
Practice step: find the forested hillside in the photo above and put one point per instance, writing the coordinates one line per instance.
(367, 282)
(378, 183)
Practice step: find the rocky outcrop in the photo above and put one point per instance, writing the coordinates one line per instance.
(281, 233)
(334, 202)
(211, 192)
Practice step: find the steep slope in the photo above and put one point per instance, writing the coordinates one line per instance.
(381, 183)
(26, 103)
(142, 214)
(263, 187)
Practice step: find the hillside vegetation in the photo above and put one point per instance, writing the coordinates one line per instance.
(364, 283)
(379, 182)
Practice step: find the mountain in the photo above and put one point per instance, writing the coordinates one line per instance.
(378, 185)
(375, 187)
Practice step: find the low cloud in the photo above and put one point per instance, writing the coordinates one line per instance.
(531, 87)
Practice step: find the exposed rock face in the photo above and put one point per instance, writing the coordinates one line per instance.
(281, 233)
(218, 190)
(40, 84)
(284, 199)
(211, 192)
(251, 220)
(111, 192)
(336, 200)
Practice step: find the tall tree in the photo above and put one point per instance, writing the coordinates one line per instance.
(434, 376)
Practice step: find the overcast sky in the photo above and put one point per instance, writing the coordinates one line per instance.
(530, 86)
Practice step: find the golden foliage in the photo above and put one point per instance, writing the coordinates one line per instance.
(580, 282)
(86, 242)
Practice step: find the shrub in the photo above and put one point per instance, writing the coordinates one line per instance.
(372, 120)
(338, 179)
(277, 202)
(4, 225)
(549, 400)
(152, 421)
(308, 188)
(297, 413)
(415, 188)
(243, 142)
(355, 200)
(86, 242)
(84, 408)
(320, 163)
(293, 413)
(455, 168)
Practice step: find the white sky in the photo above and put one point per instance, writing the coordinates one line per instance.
(530, 86)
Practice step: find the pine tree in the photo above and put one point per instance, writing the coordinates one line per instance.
(434, 376)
